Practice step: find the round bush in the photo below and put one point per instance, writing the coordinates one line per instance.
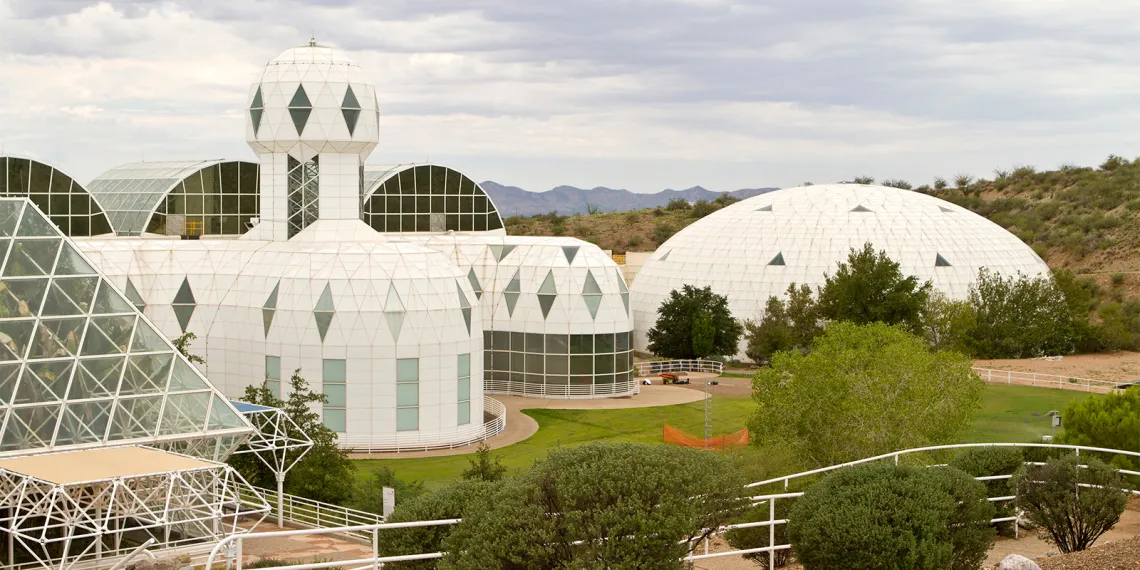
(450, 502)
(887, 517)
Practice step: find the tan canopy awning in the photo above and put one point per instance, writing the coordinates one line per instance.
(101, 464)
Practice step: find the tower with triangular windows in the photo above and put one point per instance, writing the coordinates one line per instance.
(312, 120)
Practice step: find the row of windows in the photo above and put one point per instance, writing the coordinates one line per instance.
(580, 359)
(65, 201)
(334, 380)
(430, 199)
(217, 200)
(556, 343)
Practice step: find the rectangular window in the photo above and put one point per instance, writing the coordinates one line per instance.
(334, 384)
(273, 375)
(464, 389)
(407, 394)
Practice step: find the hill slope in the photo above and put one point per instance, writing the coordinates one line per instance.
(514, 201)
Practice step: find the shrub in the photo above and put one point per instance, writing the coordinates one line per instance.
(939, 183)
(860, 376)
(633, 241)
(1018, 317)
(886, 516)
(1117, 279)
(369, 492)
(990, 461)
(1111, 421)
(694, 323)
(677, 204)
(269, 563)
(1112, 163)
(863, 180)
(897, 183)
(484, 466)
(617, 505)
(1072, 505)
(450, 502)
(662, 231)
(703, 208)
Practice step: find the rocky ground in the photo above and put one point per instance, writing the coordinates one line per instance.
(1118, 555)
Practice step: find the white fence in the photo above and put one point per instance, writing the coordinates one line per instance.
(409, 441)
(1014, 378)
(307, 513)
(231, 547)
(561, 392)
(655, 367)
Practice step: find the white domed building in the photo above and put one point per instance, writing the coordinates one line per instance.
(756, 248)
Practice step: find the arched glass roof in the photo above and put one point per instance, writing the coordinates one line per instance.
(66, 202)
(202, 197)
(425, 198)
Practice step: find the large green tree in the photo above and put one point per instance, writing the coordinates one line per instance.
(620, 506)
(1111, 421)
(870, 288)
(325, 473)
(863, 390)
(787, 324)
(1018, 317)
(694, 310)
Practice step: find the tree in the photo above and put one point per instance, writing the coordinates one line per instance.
(1018, 317)
(1072, 505)
(325, 473)
(369, 492)
(945, 323)
(599, 506)
(182, 344)
(786, 325)
(484, 466)
(672, 335)
(1111, 421)
(704, 335)
(863, 180)
(870, 288)
(677, 204)
(863, 390)
(450, 502)
(887, 517)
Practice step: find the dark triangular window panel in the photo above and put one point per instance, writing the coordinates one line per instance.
(183, 312)
(350, 101)
(300, 98)
(323, 322)
(546, 302)
(860, 209)
(255, 117)
(778, 260)
(184, 296)
(940, 261)
(350, 118)
(267, 319)
(767, 208)
(945, 209)
(257, 104)
(300, 117)
(666, 256)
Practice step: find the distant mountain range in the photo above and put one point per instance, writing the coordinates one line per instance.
(514, 201)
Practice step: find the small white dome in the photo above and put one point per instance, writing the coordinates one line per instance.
(755, 248)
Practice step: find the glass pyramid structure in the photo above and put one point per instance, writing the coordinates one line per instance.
(80, 366)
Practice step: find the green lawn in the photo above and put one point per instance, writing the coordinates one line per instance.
(1007, 415)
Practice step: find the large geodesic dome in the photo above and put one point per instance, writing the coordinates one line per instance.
(756, 248)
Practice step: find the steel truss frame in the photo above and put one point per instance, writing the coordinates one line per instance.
(58, 525)
(275, 443)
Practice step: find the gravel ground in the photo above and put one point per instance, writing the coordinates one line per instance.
(1119, 555)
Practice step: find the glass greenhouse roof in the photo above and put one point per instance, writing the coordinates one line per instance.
(79, 365)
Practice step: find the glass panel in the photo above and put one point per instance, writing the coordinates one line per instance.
(407, 369)
(44, 381)
(185, 377)
(557, 344)
(147, 339)
(464, 413)
(407, 419)
(464, 389)
(108, 335)
(34, 224)
(185, 413)
(408, 394)
(222, 416)
(336, 395)
(84, 422)
(581, 365)
(534, 363)
(502, 340)
(30, 428)
(333, 371)
(464, 365)
(70, 296)
(603, 343)
(518, 364)
(333, 419)
(581, 344)
(604, 364)
(21, 298)
(71, 263)
(557, 364)
(9, 373)
(109, 301)
(146, 374)
(14, 336)
(135, 417)
(622, 341)
(31, 257)
(518, 342)
(96, 378)
(57, 337)
(273, 367)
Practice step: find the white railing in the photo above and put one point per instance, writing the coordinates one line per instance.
(560, 391)
(655, 367)
(232, 546)
(1015, 378)
(307, 513)
(412, 441)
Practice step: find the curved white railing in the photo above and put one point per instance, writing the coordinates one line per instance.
(411, 441)
(655, 367)
(1014, 378)
(307, 513)
(232, 545)
(561, 392)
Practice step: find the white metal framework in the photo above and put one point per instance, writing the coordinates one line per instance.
(53, 521)
(278, 442)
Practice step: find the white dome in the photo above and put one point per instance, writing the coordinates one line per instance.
(312, 99)
(755, 248)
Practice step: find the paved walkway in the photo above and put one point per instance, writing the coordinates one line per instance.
(521, 426)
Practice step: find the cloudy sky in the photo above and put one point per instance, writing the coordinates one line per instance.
(643, 95)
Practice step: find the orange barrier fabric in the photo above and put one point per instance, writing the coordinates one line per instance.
(675, 436)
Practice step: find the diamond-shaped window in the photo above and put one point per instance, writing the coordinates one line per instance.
(501, 251)
(511, 293)
(624, 290)
(256, 109)
(475, 285)
(324, 311)
(134, 297)
(269, 309)
(394, 312)
(350, 108)
(299, 109)
(184, 304)
(547, 293)
(592, 294)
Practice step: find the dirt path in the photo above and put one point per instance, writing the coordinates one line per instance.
(1117, 366)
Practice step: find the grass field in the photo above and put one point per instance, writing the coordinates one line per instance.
(1009, 413)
